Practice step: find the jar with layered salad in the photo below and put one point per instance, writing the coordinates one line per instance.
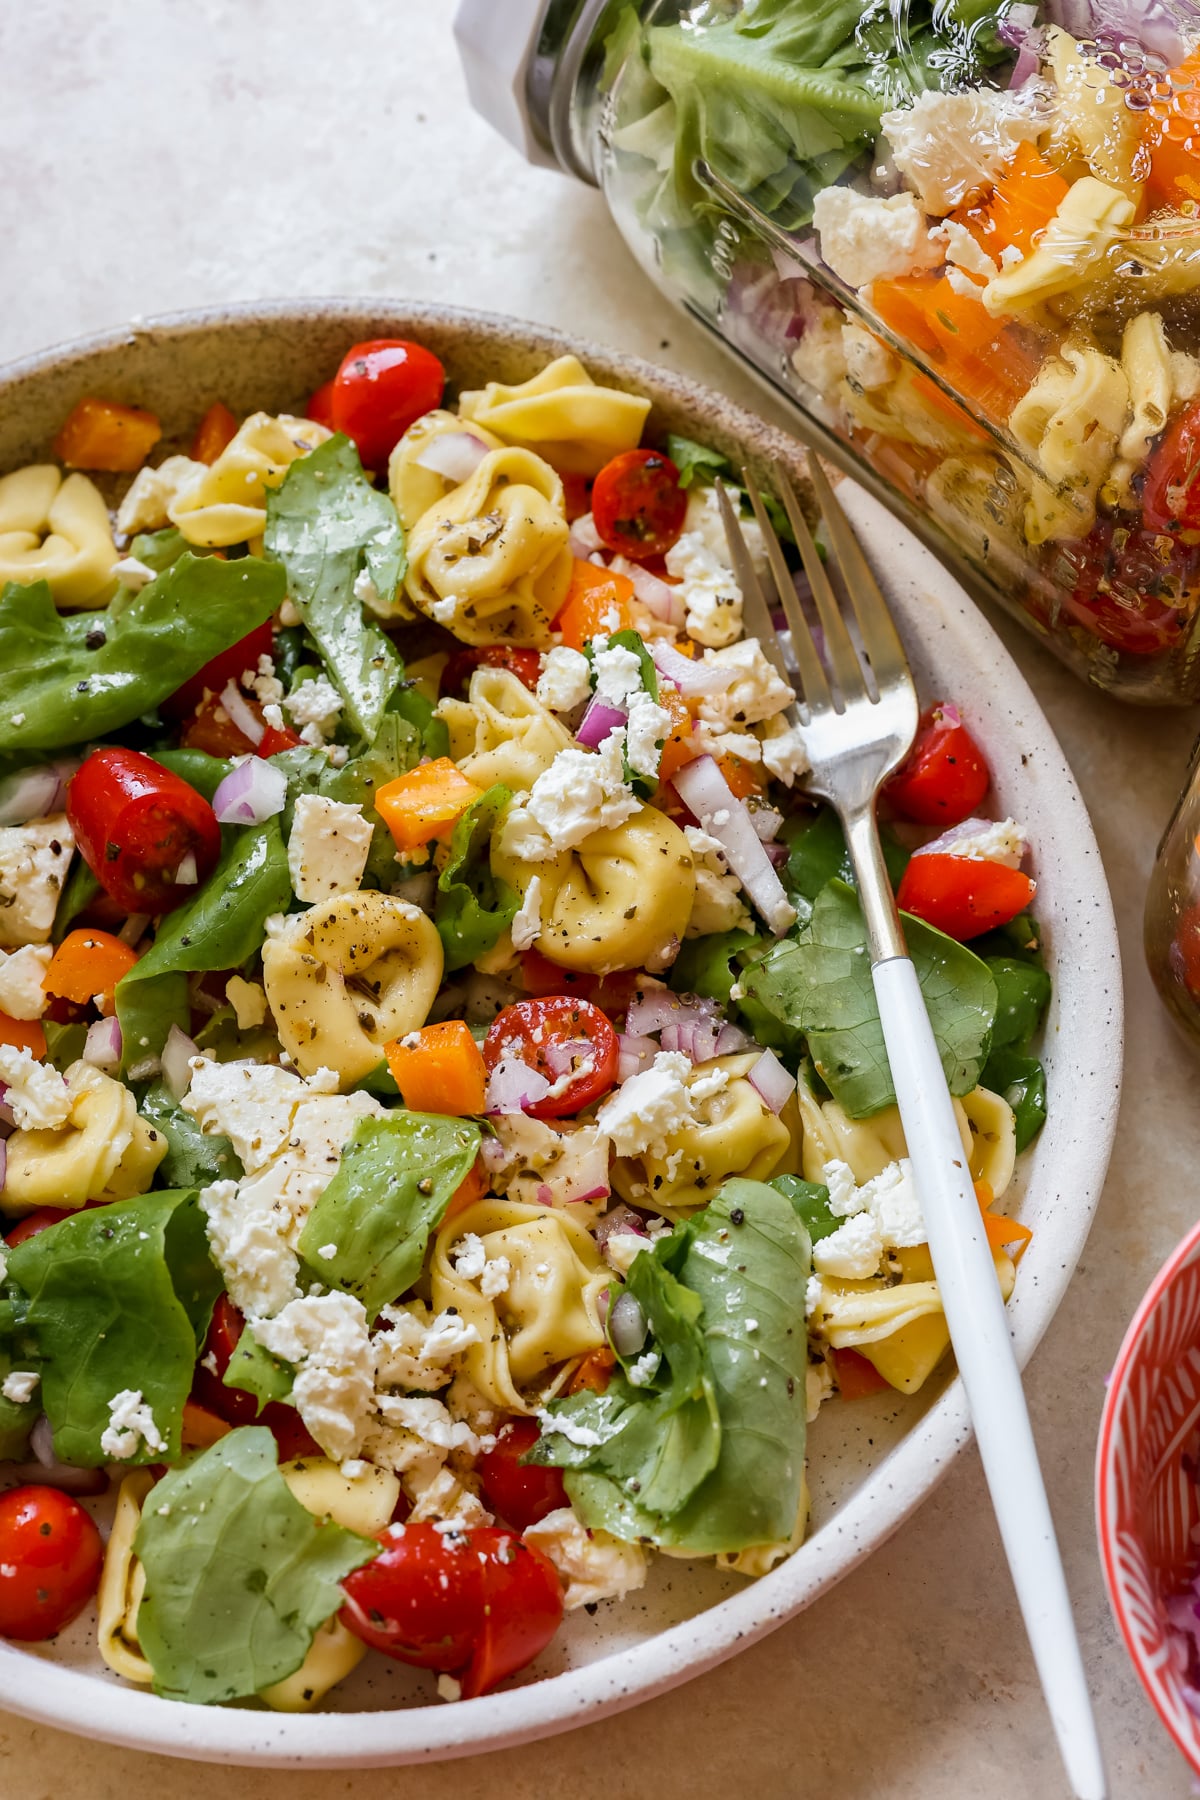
(961, 240)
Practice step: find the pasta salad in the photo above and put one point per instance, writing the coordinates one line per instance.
(448, 1150)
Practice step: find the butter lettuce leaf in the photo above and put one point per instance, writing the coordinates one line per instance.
(472, 907)
(393, 1185)
(194, 1158)
(238, 1574)
(70, 677)
(118, 1298)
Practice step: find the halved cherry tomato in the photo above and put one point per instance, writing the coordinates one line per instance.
(611, 993)
(566, 1040)
(521, 1493)
(136, 825)
(944, 777)
(212, 730)
(638, 506)
(381, 387)
(525, 664)
(577, 495)
(963, 895)
(1132, 589)
(320, 406)
(1171, 495)
(856, 1377)
(274, 740)
(227, 665)
(235, 1405)
(477, 1602)
(34, 1223)
(51, 1555)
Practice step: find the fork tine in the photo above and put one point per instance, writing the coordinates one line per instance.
(839, 649)
(813, 679)
(880, 638)
(755, 610)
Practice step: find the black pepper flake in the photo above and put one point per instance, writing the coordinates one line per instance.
(96, 638)
(737, 1216)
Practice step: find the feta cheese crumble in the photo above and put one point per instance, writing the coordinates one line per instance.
(328, 847)
(581, 792)
(325, 1337)
(566, 679)
(644, 1111)
(130, 1422)
(527, 922)
(864, 237)
(22, 972)
(471, 1261)
(951, 146)
(19, 1385)
(314, 707)
(34, 860)
(1001, 841)
(712, 599)
(593, 1565)
(37, 1094)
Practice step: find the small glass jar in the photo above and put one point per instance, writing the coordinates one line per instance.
(1172, 918)
(994, 320)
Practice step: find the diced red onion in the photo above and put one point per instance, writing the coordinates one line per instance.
(626, 1325)
(593, 1193)
(187, 874)
(176, 1061)
(545, 1196)
(35, 793)
(771, 1081)
(689, 674)
(733, 1039)
(706, 793)
(250, 794)
(584, 539)
(778, 854)
(697, 1039)
(663, 598)
(945, 844)
(49, 1472)
(766, 822)
(102, 1046)
(635, 1054)
(513, 1085)
(493, 1153)
(243, 716)
(419, 889)
(602, 1303)
(623, 1219)
(564, 1059)
(948, 713)
(655, 1007)
(455, 455)
(598, 722)
(589, 1180)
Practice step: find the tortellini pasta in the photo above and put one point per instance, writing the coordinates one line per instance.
(618, 900)
(1071, 250)
(56, 531)
(1091, 113)
(502, 732)
(734, 1133)
(334, 1653)
(539, 1314)
(105, 1151)
(122, 1584)
(226, 502)
(562, 413)
(414, 488)
(1070, 421)
(346, 977)
(1146, 360)
(491, 561)
(985, 1122)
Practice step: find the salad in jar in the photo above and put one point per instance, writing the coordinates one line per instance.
(448, 1154)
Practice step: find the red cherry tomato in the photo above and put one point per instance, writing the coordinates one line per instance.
(50, 1560)
(136, 823)
(320, 406)
(944, 777)
(638, 505)
(235, 1405)
(211, 729)
(227, 665)
(379, 390)
(1131, 589)
(520, 1492)
(577, 495)
(565, 1040)
(611, 993)
(525, 665)
(1183, 955)
(34, 1223)
(478, 1603)
(962, 895)
(1171, 494)
(274, 740)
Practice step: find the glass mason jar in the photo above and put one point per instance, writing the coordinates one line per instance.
(960, 239)
(1172, 918)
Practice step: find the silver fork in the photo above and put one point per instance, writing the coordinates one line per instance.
(857, 717)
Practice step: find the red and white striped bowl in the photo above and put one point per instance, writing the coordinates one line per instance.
(1147, 1500)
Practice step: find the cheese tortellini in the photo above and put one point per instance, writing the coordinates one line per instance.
(56, 531)
(346, 977)
(986, 1125)
(413, 487)
(734, 1133)
(618, 900)
(122, 1584)
(562, 413)
(502, 732)
(215, 505)
(491, 561)
(105, 1151)
(1070, 421)
(531, 1291)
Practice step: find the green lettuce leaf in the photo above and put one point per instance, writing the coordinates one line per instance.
(118, 1298)
(238, 1574)
(397, 747)
(78, 891)
(203, 772)
(62, 692)
(257, 1372)
(393, 1184)
(472, 908)
(1021, 1081)
(817, 855)
(220, 928)
(811, 1201)
(328, 526)
(194, 1158)
(820, 984)
(1023, 994)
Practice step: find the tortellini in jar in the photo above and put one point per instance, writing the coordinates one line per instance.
(619, 900)
(56, 531)
(105, 1150)
(529, 1279)
(986, 1125)
(1071, 421)
(562, 413)
(733, 1132)
(413, 485)
(346, 977)
(491, 561)
(226, 502)
(502, 732)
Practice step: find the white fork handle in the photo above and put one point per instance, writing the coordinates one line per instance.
(975, 1313)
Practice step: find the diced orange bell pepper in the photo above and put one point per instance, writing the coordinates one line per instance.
(856, 1377)
(742, 778)
(23, 1034)
(103, 434)
(597, 601)
(1001, 1232)
(975, 354)
(1172, 143)
(593, 1372)
(200, 1428)
(425, 803)
(1021, 205)
(439, 1069)
(470, 1189)
(216, 429)
(86, 963)
(677, 746)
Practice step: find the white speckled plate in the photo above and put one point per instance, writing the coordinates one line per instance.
(871, 1462)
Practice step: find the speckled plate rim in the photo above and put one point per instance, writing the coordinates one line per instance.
(944, 631)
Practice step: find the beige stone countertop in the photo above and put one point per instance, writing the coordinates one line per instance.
(157, 155)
